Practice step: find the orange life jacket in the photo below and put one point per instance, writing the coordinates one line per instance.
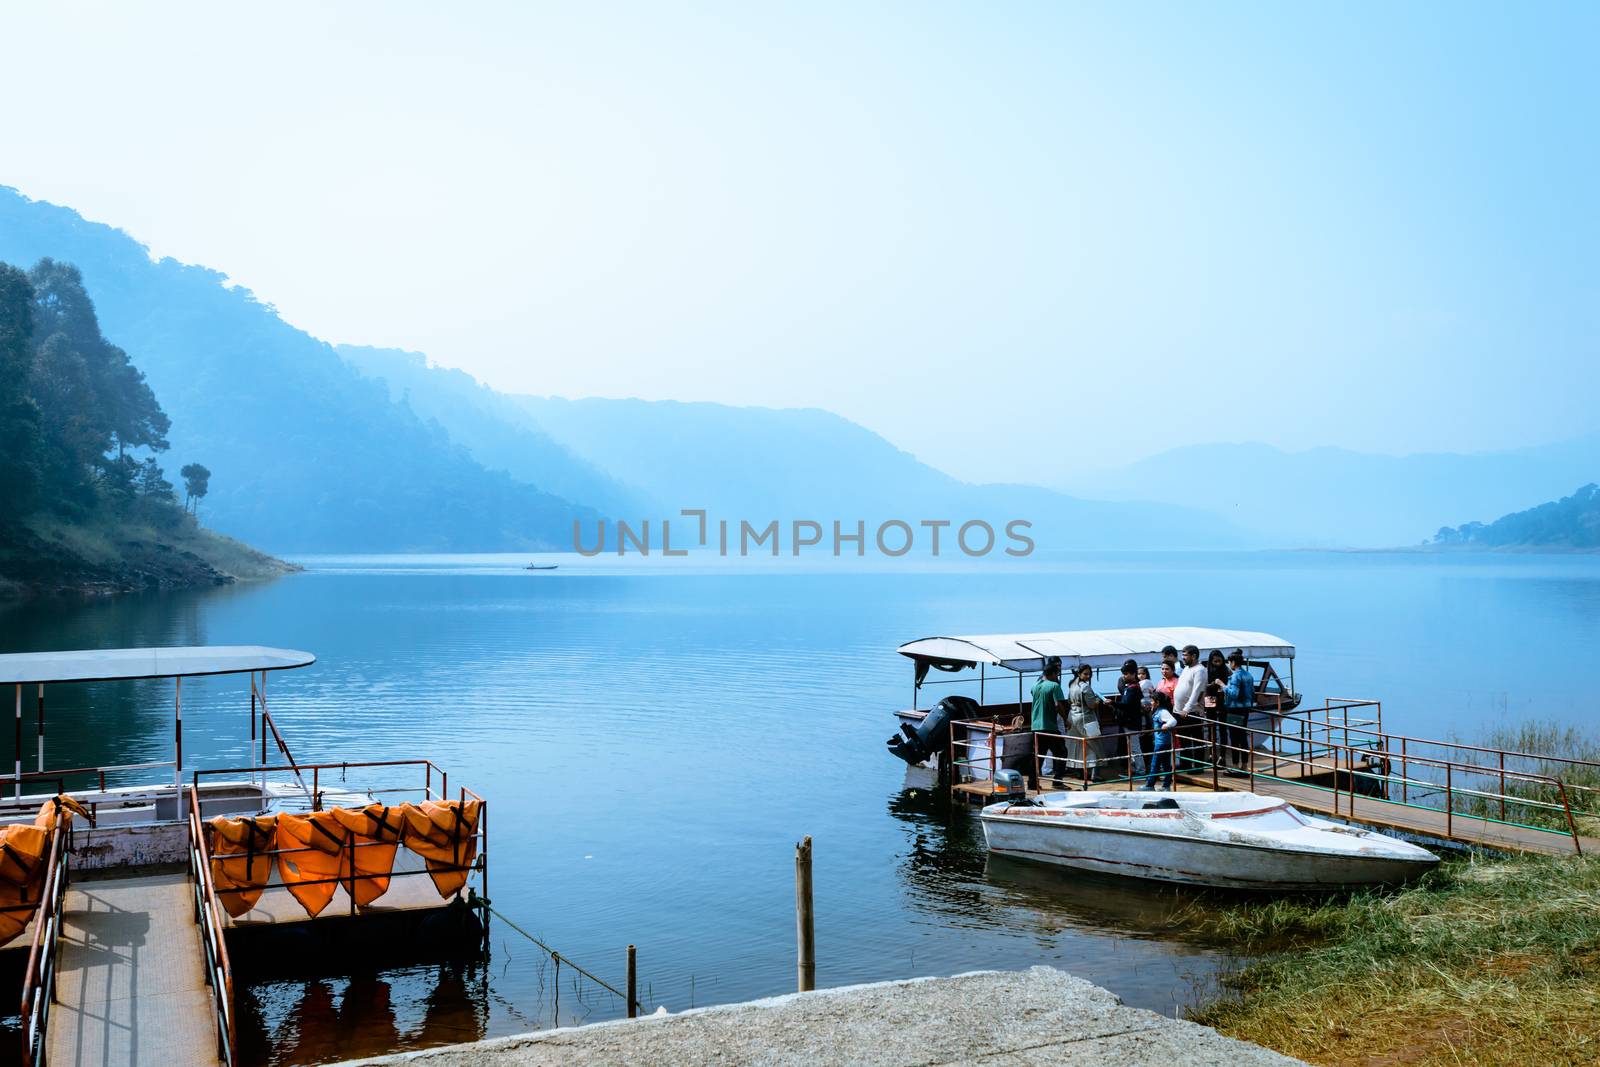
(375, 834)
(311, 850)
(443, 834)
(241, 861)
(24, 853)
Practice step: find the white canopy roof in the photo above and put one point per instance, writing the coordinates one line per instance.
(1097, 648)
(119, 664)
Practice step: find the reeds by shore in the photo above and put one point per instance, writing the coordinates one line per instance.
(1485, 960)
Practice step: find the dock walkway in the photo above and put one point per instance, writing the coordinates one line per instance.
(131, 989)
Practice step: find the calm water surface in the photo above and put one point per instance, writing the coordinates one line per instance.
(654, 736)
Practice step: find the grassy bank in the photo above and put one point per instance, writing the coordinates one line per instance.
(46, 556)
(1491, 961)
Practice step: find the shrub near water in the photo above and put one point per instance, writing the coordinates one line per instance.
(1482, 961)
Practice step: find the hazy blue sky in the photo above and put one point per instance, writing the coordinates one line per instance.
(1017, 239)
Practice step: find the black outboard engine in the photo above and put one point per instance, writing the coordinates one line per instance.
(933, 734)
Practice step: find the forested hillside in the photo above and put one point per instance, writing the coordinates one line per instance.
(306, 454)
(87, 504)
(1573, 522)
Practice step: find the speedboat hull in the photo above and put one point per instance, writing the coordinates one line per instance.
(1228, 840)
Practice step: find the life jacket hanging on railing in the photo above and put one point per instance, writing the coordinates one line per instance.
(24, 853)
(241, 860)
(312, 859)
(375, 835)
(444, 833)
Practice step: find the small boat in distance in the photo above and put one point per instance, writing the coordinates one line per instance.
(541, 566)
(1228, 840)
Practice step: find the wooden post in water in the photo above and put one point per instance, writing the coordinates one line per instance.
(804, 931)
(633, 984)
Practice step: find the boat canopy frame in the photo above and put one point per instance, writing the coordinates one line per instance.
(40, 669)
(1025, 654)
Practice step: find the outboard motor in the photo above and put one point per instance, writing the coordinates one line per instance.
(915, 744)
(1009, 787)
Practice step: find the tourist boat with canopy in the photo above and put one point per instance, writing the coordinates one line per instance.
(1227, 840)
(923, 736)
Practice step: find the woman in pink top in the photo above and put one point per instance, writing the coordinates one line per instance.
(1169, 681)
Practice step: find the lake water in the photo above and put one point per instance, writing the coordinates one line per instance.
(653, 737)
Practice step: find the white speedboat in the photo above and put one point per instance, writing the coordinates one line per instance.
(1233, 840)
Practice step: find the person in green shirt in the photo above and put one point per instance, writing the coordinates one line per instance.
(1049, 705)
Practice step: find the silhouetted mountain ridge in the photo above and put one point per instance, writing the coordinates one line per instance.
(306, 454)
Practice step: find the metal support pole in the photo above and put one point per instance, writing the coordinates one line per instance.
(19, 740)
(980, 684)
(633, 984)
(1449, 802)
(177, 758)
(1212, 733)
(1503, 784)
(41, 726)
(804, 931)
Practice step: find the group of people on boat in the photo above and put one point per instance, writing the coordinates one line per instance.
(1138, 732)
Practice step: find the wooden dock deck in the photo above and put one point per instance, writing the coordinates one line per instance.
(131, 989)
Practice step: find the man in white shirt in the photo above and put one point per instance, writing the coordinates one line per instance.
(1186, 701)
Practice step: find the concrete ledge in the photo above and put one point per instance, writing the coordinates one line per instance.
(1031, 1018)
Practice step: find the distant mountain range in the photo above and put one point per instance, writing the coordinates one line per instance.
(314, 448)
(1573, 522)
(1332, 497)
(760, 464)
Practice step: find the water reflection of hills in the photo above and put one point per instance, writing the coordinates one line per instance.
(949, 873)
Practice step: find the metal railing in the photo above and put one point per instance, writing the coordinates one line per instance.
(219, 969)
(1363, 770)
(1408, 750)
(39, 981)
(435, 781)
(103, 792)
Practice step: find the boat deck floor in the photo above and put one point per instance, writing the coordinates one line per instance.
(278, 907)
(131, 985)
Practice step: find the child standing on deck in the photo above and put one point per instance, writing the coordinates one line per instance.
(1163, 722)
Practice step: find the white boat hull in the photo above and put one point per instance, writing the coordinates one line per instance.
(1223, 858)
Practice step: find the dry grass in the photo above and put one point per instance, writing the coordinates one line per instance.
(1484, 961)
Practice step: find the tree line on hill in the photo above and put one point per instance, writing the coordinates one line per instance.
(1571, 522)
(80, 425)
